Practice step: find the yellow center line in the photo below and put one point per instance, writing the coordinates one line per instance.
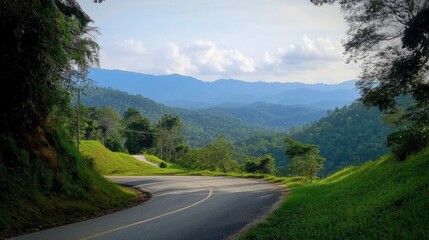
(150, 219)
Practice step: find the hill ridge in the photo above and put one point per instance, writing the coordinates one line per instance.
(175, 90)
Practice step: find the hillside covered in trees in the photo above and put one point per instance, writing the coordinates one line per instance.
(351, 135)
(347, 136)
(200, 127)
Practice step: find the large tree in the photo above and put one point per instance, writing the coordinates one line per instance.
(138, 132)
(390, 39)
(41, 44)
(168, 136)
(305, 159)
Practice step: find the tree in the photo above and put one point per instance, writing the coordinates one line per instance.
(85, 53)
(217, 155)
(138, 132)
(220, 155)
(304, 158)
(168, 130)
(109, 122)
(130, 115)
(390, 39)
(263, 165)
(36, 56)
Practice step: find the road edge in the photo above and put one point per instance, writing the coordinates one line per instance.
(142, 197)
(284, 192)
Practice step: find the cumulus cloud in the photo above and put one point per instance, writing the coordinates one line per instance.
(306, 55)
(309, 60)
(200, 57)
(211, 59)
(319, 51)
(171, 60)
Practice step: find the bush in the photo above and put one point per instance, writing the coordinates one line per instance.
(408, 141)
(114, 145)
(263, 165)
(305, 158)
(163, 165)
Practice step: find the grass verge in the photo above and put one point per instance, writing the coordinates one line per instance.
(383, 199)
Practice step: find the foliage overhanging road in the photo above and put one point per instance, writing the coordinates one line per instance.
(181, 207)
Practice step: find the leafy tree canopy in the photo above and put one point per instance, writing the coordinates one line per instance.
(390, 39)
(305, 158)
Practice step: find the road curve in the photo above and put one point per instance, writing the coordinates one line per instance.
(143, 159)
(181, 207)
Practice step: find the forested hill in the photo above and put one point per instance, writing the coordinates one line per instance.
(347, 136)
(199, 128)
(270, 115)
(351, 135)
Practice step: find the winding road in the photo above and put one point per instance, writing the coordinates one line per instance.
(181, 207)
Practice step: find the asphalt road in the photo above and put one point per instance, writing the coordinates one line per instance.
(143, 159)
(181, 207)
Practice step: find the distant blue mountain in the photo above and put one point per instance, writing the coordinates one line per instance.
(187, 92)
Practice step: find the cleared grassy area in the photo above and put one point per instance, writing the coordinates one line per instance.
(121, 164)
(383, 199)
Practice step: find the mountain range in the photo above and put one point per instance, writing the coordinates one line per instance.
(187, 92)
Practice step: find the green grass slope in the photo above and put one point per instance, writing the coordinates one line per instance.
(383, 199)
(121, 164)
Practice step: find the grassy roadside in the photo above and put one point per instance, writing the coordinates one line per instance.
(122, 164)
(383, 199)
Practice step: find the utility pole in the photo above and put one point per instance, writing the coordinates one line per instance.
(78, 117)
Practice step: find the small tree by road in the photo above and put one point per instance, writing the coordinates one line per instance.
(304, 158)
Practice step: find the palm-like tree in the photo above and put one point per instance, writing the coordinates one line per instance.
(83, 50)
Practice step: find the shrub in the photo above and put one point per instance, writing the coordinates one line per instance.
(407, 141)
(263, 165)
(114, 145)
(163, 165)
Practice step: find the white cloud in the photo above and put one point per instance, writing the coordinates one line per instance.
(129, 46)
(307, 54)
(310, 52)
(310, 60)
(171, 60)
(211, 59)
(200, 57)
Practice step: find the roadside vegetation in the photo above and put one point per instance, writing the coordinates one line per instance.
(111, 163)
(385, 198)
(46, 52)
(39, 197)
(382, 199)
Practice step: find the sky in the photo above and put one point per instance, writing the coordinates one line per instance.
(249, 40)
